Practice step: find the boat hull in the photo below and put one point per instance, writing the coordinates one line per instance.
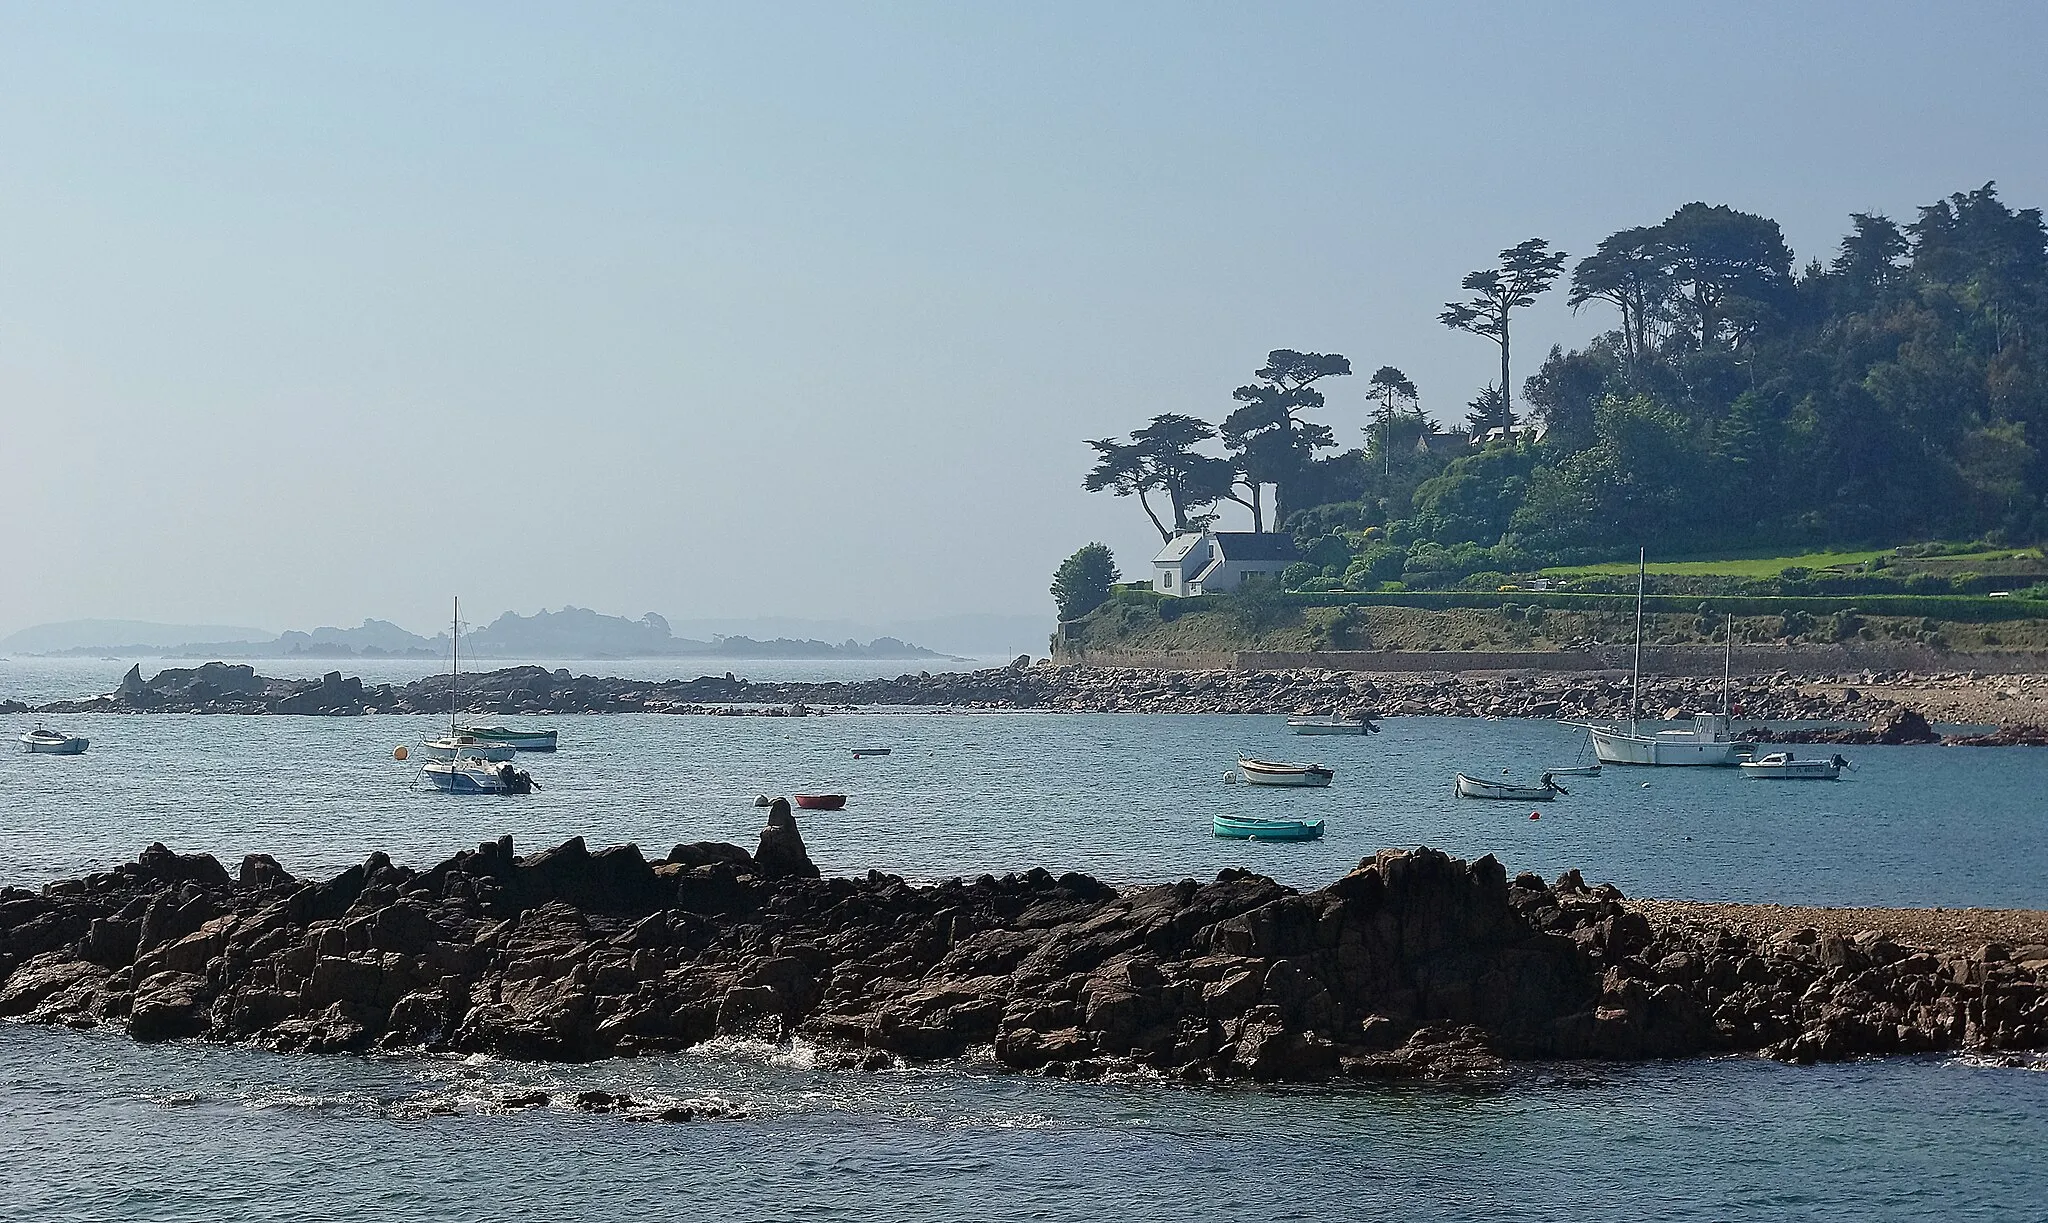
(1269, 773)
(1620, 747)
(1576, 770)
(441, 749)
(457, 778)
(517, 740)
(1323, 727)
(70, 746)
(820, 802)
(1472, 787)
(1779, 769)
(1268, 830)
(862, 753)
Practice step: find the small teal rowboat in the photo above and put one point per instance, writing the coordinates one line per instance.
(1268, 830)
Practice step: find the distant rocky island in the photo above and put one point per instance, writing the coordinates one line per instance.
(571, 633)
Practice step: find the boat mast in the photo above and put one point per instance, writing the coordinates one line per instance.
(1635, 676)
(454, 662)
(1727, 663)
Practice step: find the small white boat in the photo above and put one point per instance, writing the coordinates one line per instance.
(43, 742)
(473, 776)
(1333, 725)
(1275, 773)
(1576, 770)
(459, 747)
(1542, 792)
(1780, 766)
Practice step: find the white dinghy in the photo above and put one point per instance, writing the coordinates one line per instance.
(41, 742)
(1780, 766)
(1275, 773)
(1542, 792)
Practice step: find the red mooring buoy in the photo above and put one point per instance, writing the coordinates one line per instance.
(1535, 815)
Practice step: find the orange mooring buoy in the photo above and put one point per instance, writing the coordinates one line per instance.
(399, 752)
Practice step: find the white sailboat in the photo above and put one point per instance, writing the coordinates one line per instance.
(463, 769)
(1706, 742)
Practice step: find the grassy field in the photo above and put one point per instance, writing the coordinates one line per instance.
(1734, 567)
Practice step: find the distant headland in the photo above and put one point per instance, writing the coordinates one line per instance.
(571, 633)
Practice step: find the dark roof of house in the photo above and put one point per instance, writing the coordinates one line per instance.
(1243, 546)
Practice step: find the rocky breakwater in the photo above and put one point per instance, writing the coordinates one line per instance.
(223, 688)
(1413, 964)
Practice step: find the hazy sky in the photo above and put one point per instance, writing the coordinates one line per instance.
(311, 313)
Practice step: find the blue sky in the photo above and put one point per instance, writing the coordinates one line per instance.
(313, 313)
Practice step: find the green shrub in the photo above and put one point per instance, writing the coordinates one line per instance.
(1083, 581)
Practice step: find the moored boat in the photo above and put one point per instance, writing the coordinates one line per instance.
(1277, 773)
(43, 742)
(1706, 742)
(473, 776)
(464, 769)
(1542, 792)
(1335, 724)
(1268, 830)
(820, 802)
(1780, 766)
(1576, 770)
(514, 738)
(861, 753)
(457, 747)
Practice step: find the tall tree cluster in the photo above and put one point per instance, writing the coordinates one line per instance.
(1897, 391)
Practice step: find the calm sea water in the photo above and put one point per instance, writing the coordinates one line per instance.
(92, 1127)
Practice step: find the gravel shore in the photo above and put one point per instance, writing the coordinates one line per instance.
(1955, 931)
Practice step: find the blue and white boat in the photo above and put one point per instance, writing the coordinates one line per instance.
(473, 776)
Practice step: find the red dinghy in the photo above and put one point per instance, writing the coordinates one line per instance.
(820, 802)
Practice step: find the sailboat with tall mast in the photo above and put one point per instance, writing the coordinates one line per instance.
(1706, 742)
(464, 770)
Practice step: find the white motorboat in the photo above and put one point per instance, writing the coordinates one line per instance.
(473, 776)
(1275, 773)
(1542, 792)
(1333, 725)
(462, 747)
(42, 742)
(1780, 766)
(1706, 742)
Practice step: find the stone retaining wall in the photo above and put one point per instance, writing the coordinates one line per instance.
(1659, 660)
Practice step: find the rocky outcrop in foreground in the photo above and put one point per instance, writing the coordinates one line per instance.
(1414, 964)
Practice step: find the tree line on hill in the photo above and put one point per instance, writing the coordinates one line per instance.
(1897, 392)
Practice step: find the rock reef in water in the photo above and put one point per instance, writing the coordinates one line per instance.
(235, 688)
(1414, 964)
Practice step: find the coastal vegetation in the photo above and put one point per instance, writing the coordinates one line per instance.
(1801, 423)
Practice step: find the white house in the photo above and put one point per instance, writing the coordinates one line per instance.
(1211, 561)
